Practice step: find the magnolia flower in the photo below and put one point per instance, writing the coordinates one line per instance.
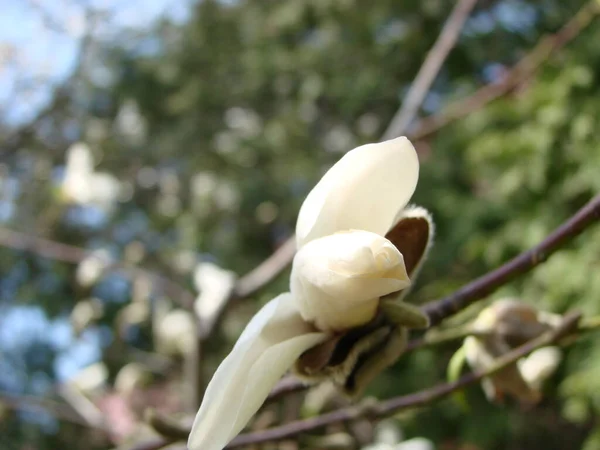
(357, 246)
(82, 185)
(502, 326)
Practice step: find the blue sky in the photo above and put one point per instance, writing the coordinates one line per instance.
(30, 49)
(40, 39)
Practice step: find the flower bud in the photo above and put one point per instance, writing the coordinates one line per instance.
(337, 280)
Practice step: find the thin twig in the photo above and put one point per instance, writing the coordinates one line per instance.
(287, 385)
(516, 76)
(430, 69)
(253, 281)
(71, 254)
(570, 325)
(486, 284)
(58, 410)
(440, 337)
(393, 405)
(265, 271)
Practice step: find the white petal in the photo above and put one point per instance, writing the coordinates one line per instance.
(540, 365)
(337, 280)
(364, 190)
(274, 338)
(214, 285)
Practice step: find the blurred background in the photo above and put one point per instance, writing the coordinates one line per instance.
(151, 151)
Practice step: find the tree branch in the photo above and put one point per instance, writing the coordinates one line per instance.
(430, 69)
(71, 254)
(516, 76)
(393, 405)
(59, 410)
(265, 271)
(486, 284)
(483, 286)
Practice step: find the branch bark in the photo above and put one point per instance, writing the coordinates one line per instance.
(393, 405)
(430, 69)
(523, 263)
(517, 75)
(61, 411)
(71, 254)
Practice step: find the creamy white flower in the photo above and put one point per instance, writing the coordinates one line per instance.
(504, 325)
(539, 366)
(343, 266)
(274, 338)
(337, 280)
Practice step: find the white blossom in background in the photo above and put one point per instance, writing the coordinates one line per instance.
(85, 313)
(246, 122)
(92, 267)
(504, 325)
(539, 366)
(176, 332)
(130, 377)
(214, 286)
(343, 266)
(130, 123)
(82, 185)
(389, 437)
(91, 379)
(209, 192)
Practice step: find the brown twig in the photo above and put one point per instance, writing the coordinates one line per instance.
(71, 254)
(570, 324)
(393, 405)
(486, 284)
(430, 69)
(480, 288)
(516, 76)
(287, 385)
(265, 271)
(59, 410)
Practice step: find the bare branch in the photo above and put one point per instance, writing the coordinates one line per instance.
(480, 288)
(429, 70)
(72, 254)
(393, 405)
(61, 411)
(516, 76)
(266, 271)
(486, 284)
